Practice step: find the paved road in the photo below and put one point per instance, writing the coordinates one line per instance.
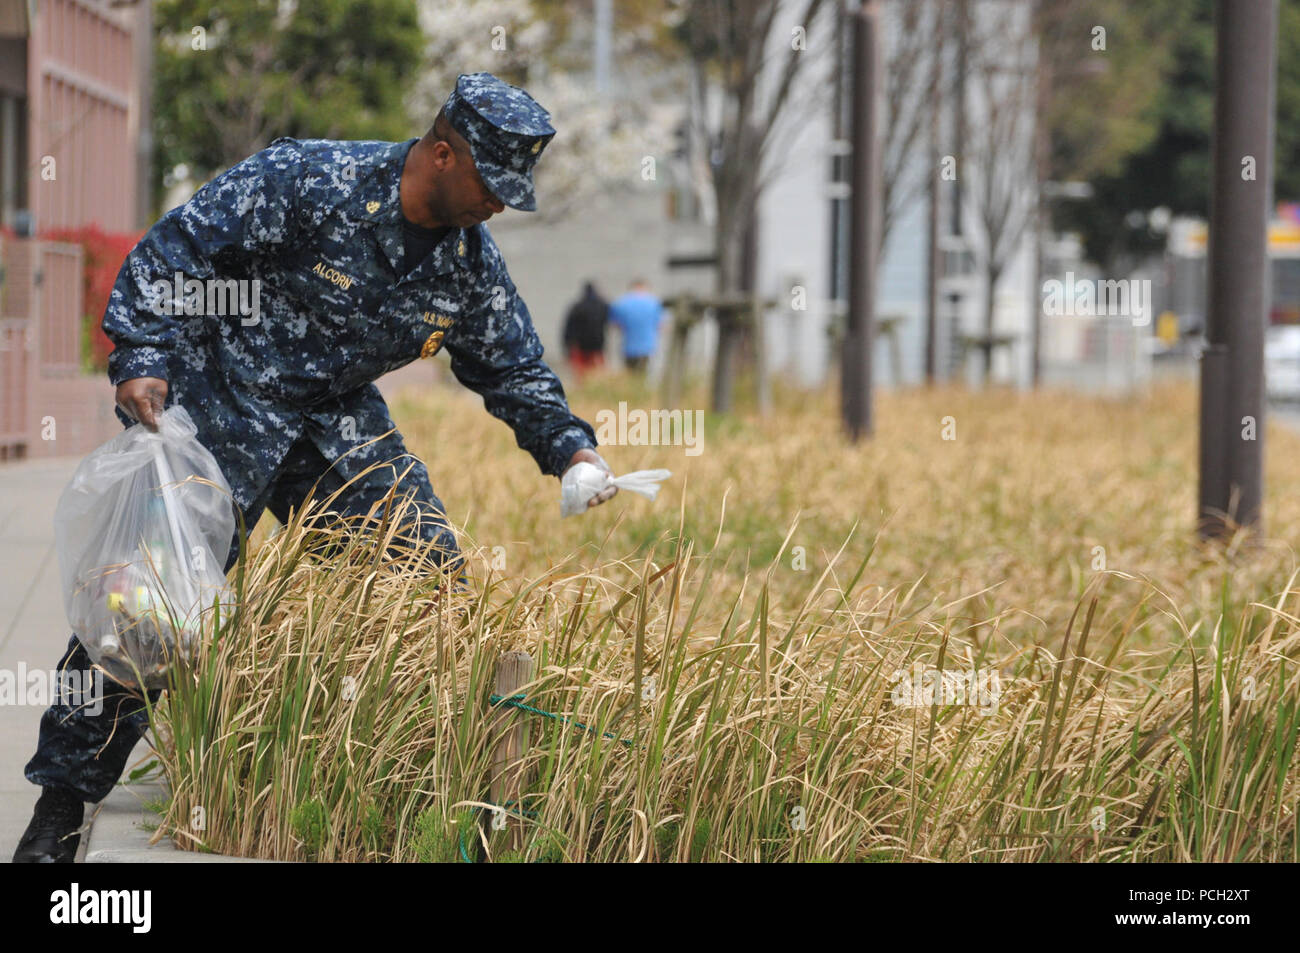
(1287, 414)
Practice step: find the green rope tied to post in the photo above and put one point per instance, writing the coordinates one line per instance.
(517, 701)
(464, 856)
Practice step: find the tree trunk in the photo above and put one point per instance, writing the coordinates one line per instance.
(737, 266)
(730, 252)
(933, 260)
(990, 290)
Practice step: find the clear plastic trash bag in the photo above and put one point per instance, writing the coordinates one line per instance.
(584, 480)
(143, 531)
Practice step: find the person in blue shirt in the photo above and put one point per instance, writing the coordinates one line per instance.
(638, 314)
(364, 256)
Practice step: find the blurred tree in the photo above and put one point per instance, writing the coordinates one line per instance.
(917, 81)
(546, 46)
(231, 75)
(1100, 105)
(1173, 169)
(745, 57)
(1056, 90)
(1286, 165)
(997, 147)
(1098, 68)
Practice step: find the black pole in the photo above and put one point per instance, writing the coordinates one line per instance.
(933, 260)
(959, 111)
(839, 103)
(864, 222)
(1232, 396)
(1041, 220)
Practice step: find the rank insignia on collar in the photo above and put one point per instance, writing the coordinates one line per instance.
(537, 146)
(432, 344)
(460, 249)
(372, 207)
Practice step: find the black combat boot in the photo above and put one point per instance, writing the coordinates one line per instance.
(53, 835)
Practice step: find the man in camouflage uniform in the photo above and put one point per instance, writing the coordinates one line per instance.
(363, 256)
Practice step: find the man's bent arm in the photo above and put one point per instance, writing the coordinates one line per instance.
(248, 207)
(496, 353)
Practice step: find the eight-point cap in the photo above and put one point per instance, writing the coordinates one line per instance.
(506, 130)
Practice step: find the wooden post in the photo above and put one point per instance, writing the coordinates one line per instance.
(684, 318)
(510, 727)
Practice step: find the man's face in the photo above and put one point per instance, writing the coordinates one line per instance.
(465, 198)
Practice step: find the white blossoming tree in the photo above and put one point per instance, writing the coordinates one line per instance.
(602, 141)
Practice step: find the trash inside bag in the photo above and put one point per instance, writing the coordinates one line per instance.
(584, 480)
(143, 531)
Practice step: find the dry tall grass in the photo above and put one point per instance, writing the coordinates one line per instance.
(1148, 710)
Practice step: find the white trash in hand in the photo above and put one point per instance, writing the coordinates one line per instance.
(582, 481)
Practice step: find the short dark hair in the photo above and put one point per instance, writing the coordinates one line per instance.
(442, 131)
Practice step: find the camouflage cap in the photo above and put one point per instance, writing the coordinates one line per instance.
(506, 130)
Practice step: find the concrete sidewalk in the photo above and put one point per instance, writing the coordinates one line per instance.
(123, 828)
(33, 629)
(33, 634)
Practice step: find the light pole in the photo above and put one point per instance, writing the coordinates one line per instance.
(1232, 399)
(864, 221)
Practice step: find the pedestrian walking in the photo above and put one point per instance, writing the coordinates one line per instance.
(584, 331)
(638, 315)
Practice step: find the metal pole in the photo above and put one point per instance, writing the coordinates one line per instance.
(603, 40)
(864, 221)
(144, 121)
(1041, 218)
(1232, 399)
(932, 273)
(838, 187)
(959, 111)
(955, 353)
(933, 260)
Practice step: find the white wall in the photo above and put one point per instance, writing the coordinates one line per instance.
(795, 240)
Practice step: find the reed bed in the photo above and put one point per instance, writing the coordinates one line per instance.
(733, 661)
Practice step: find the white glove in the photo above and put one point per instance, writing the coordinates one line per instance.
(582, 481)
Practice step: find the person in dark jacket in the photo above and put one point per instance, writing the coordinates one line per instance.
(362, 257)
(584, 331)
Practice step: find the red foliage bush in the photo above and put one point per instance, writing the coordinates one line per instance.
(102, 256)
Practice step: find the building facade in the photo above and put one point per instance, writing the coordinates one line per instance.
(73, 153)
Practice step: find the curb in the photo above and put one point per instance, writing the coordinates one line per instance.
(118, 832)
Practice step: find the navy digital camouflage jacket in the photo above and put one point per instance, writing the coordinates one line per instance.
(317, 226)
